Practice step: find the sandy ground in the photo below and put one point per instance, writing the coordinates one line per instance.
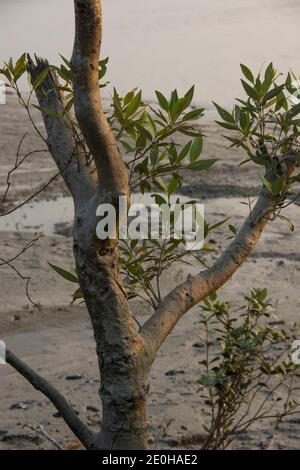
(57, 339)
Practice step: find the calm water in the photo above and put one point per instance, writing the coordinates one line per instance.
(166, 43)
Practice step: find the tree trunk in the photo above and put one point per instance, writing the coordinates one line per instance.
(124, 400)
(123, 362)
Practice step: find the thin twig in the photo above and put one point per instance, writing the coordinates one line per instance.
(41, 430)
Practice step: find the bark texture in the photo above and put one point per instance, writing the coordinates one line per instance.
(88, 109)
(63, 143)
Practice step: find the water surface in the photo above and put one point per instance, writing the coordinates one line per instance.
(165, 43)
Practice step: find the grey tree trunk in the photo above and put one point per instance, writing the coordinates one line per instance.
(124, 399)
(123, 364)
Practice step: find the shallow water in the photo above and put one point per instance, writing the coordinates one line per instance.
(39, 216)
(165, 43)
(52, 216)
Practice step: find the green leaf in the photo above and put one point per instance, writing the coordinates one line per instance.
(217, 224)
(232, 229)
(270, 73)
(65, 274)
(247, 72)
(64, 73)
(40, 78)
(159, 200)
(201, 165)
(245, 121)
(6, 73)
(189, 96)
(174, 99)
(103, 67)
(273, 93)
(20, 62)
(20, 67)
(250, 91)
(274, 187)
(77, 295)
(162, 100)
(141, 142)
(277, 185)
(193, 115)
(281, 102)
(66, 61)
(228, 125)
(69, 105)
(225, 115)
(196, 148)
(134, 105)
(184, 152)
(269, 77)
(266, 183)
(128, 97)
(172, 186)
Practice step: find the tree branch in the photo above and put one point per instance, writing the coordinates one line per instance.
(81, 431)
(70, 160)
(111, 169)
(8, 262)
(196, 288)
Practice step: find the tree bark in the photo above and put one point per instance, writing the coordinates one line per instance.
(112, 173)
(78, 174)
(121, 356)
(124, 390)
(123, 362)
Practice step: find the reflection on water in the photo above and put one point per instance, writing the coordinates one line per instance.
(55, 216)
(40, 217)
(166, 43)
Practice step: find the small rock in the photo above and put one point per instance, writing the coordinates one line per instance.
(23, 405)
(199, 345)
(16, 318)
(3, 435)
(64, 229)
(171, 373)
(74, 377)
(93, 408)
(276, 322)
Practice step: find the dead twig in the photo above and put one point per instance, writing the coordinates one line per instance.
(41, 430)
(9, 262)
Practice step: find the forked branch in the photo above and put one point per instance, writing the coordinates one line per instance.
(65, 150)
(196, 288)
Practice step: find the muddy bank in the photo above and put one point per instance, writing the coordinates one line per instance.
(57, 339)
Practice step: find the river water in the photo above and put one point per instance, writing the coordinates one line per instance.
(163, 44)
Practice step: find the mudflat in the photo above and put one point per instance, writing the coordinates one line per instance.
(56, 339)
